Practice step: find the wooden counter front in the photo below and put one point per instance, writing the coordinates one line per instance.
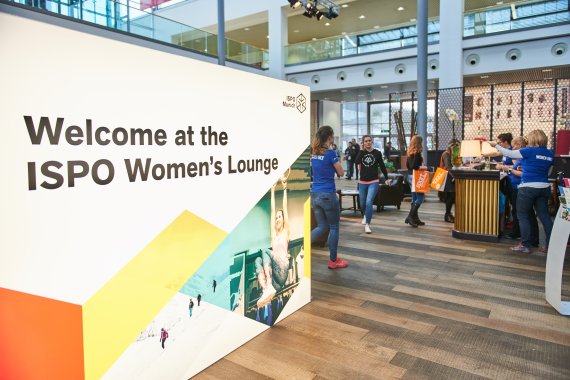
(476, 204)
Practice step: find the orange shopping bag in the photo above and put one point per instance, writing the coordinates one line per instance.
(421, 183)
(439, 179)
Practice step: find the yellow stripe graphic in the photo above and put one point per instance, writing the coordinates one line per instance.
(307, 240)
(118, 312)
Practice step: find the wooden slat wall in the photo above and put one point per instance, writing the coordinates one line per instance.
(414, 303)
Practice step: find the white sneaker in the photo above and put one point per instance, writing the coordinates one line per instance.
(267, 296)
(367, 229)
(364, 221)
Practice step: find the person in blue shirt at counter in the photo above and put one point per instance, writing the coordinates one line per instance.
(514, 174)
(534, 190)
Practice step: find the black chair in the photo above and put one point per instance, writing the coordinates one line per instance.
(390, 195)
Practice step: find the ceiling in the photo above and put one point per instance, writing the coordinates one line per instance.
(378, 14)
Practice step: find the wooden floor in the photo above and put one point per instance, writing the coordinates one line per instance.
(414, 303)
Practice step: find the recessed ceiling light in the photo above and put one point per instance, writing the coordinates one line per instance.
(484, 76)
(376, 26)
(361, 95)
(327, 23)
(325, 98)
(401, 9)
(344, 5)
(344, 33)
(413, 20)
(499, 2)
(245, 28)
(547, 78)
(361, 17)
(314, 38)
(268, 36)
(383, 86)
(546, 70)
(343, 90)
(296, 31)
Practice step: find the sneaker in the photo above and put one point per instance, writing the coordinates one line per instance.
(337, 264)
(367, 229)
(520, 248)
(267, 296)
(363, 220)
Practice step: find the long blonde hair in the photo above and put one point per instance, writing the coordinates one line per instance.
(415, 145)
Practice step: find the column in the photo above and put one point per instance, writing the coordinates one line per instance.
(451, 43)
(277, 19)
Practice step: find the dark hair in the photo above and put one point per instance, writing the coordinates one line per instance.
(508, 137)
(319, 143)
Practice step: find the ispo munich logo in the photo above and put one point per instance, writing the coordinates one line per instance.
(301, 103)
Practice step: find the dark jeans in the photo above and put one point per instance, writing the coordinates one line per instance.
(512, 195)
(529, 198)
(327, 213)
(352, 168)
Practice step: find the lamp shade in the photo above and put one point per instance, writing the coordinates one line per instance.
(470, 148)
(486, 148)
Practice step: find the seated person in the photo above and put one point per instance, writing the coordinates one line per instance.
(272, 268)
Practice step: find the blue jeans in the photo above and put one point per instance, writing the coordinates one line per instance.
(417, 198)
(326, 209)
(527, 199)
(367, 194)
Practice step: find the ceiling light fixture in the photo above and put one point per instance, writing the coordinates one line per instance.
(546, 70)
(401, 9)
(484, 76)
(362, 17)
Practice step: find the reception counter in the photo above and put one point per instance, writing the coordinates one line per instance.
(477, 204)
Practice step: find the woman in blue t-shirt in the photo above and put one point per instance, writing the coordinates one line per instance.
(324, 200)
(534, 190)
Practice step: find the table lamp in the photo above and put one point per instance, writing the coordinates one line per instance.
(470, 148)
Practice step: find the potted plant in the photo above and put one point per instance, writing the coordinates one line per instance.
(390, 167)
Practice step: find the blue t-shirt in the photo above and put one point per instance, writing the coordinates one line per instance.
(322, 167)
(507, 160)
(515, 180)
(535, 164)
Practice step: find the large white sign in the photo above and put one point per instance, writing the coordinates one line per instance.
(105, 144)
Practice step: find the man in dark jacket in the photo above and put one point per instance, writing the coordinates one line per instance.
(352, 152)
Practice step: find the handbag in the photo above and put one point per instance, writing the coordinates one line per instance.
(420, 182)
(439, 179)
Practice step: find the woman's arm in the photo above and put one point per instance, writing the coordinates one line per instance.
(285, 212)
(339, 169)
(358, 159)
(272, 223)
(382, 165)
(506, 152)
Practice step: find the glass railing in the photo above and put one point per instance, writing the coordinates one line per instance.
(529, 14)
(502, 18)
(131, 19)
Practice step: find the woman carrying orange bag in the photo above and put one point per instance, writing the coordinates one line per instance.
(414, 162)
